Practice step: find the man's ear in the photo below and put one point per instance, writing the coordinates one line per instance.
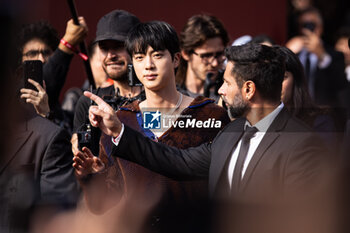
(185, 55)
(248, 90)
(176, 60)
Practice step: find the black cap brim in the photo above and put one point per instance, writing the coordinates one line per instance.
(120, 38)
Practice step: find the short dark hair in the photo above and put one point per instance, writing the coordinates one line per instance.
(311, 10)
(261, 64)
(200, 28)
(343, 32)
(259, 39)
(40, 30)
(157, 34)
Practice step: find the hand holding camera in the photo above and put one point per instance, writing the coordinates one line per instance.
(312, 42)
(34, 90)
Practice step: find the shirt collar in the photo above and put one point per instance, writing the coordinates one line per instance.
(265, 123)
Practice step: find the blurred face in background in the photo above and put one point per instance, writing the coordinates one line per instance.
(342, 46)
(311, 18)
(301, 4)
(287, 88)
(207, 58)
(36, 49)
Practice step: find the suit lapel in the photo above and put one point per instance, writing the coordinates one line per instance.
(18, 142)
(270, 137)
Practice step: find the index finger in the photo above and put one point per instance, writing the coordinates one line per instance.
(99, 101)
(37, 85)
(102, 105)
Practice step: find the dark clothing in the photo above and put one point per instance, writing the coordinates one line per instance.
(82, 110)
(54, 73)
(290, 162)
(37, 171)
(329, 81)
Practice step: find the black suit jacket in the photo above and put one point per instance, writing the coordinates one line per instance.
(330, 81)
(289, 157)
(37, 170)
(290, 169)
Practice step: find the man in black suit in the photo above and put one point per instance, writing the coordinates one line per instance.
(324, 67)
(260, 161)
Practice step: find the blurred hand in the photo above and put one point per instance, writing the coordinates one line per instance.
(103, 116)
(313, 43)
(39, 98)
(296, 44)
(85, 163)
(74, 33)
(74, 142)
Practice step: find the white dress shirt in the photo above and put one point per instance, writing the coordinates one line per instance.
(262, 127)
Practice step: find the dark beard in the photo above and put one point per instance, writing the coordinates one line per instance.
(239, 109)
(236, 112)
(122, 77)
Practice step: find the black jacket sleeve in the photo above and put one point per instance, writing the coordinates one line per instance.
(177, 164)
(55, 73)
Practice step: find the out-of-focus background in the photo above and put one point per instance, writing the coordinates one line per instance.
(240, 17)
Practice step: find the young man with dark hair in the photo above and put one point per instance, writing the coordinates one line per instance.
(202, 43)
(154, 49)
(266, 163)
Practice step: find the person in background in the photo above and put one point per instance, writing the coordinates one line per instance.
(294, 9)
(295, 96)
(263, 39)
(73, 94)
(342, 45)
(202, 43)
(324, 67)
(111, 33)
(39, 41)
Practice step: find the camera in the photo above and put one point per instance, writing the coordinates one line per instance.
(309, 25)
(114, 101)
(84, 137)
(33, 69)
(133, 81)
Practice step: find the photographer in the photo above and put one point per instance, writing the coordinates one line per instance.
(324, 67)
(39, 41)
(111, 33)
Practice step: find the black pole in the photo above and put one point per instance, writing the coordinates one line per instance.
(82, 45)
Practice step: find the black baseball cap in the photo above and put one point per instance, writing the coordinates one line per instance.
(115, 26)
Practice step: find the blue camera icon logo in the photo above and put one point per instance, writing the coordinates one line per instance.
(152, 120)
